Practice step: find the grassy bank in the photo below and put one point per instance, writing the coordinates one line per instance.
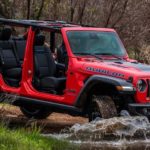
(29, 140)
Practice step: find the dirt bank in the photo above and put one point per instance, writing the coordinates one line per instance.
(56, 122)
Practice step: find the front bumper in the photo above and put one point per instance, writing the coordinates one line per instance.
(140, 109)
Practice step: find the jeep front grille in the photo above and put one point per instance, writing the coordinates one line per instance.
(148, 88)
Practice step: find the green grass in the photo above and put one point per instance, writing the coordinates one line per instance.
(21, 139)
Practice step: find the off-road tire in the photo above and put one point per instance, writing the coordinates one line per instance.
(102, 107)
(35, 113)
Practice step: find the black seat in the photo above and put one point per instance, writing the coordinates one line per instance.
(45, 68)
(61, 54)
(10, 65)
(20, 48)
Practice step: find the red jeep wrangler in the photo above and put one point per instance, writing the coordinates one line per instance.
(91, 75)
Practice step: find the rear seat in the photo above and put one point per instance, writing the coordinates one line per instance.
(10, 64)
(20, 48)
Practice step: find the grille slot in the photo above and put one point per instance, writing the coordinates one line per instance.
(148, 88)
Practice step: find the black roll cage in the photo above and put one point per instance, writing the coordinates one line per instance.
(52, 26)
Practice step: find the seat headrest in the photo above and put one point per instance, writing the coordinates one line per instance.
(5, 34)
(39, 40)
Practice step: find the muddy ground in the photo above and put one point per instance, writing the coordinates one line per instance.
(55, 123)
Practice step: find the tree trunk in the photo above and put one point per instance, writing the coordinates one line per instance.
(28, 8)
(40, 10)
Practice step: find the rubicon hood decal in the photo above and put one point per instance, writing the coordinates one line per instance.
(106, 72)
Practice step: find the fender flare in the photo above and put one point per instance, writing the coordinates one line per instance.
(122, 86)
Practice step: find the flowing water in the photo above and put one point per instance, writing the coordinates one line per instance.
(123, 133)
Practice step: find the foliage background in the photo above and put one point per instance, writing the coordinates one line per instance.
(131, 18)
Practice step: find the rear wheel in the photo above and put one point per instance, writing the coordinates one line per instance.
(35, 112)
(102, 107)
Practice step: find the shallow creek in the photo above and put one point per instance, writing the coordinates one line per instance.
(124, 133)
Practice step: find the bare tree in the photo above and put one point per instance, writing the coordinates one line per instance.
(40, 10)
(110, 12)
(81, 11)
(120, 16)
(28, 8)
(73, 4)
(6, 8)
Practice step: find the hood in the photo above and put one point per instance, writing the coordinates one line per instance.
(132, 65)
(121, 69)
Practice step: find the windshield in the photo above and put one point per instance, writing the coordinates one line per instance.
(95, 42)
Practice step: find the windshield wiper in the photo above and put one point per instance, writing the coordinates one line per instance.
(94, 55)
(109, 54)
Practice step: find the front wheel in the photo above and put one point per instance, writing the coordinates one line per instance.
(35, 112)
(102, 107)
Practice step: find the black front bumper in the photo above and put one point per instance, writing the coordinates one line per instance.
(140, 109)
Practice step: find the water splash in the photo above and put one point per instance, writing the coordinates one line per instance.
(108, 134)
(130, 128)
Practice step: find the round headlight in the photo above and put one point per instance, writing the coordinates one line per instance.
(141, 85)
